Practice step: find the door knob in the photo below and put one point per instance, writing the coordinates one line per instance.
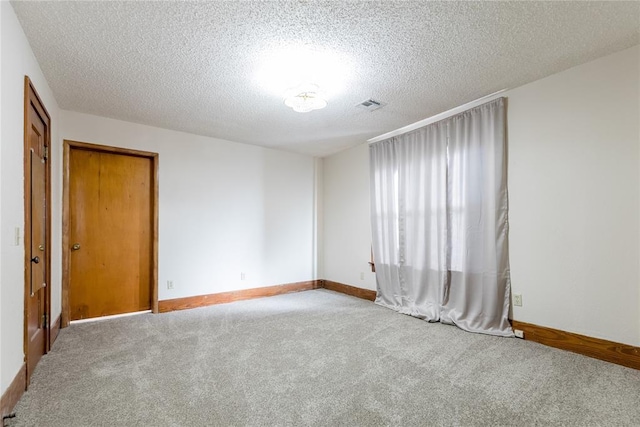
(75, 246)
(41, 247)
(35, 260)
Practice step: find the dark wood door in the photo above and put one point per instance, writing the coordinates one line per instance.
(110, 233)
(36, 223)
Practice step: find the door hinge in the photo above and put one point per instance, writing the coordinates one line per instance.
(45, 320)
(46, 153)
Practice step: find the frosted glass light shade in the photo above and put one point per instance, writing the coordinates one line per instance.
(305, 99)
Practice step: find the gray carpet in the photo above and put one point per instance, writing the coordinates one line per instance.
(314, 358)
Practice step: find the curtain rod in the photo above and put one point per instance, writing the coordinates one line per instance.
(437, 117)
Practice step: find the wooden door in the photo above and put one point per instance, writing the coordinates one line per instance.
(37, 222)
(110, 233)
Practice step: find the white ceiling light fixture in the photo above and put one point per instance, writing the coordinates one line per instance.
(290, 66)
(305, 98)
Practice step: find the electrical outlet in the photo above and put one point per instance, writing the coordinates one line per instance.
(517, 300)
(169, 284)
(361, 275)
(518, 333)
(242, 276)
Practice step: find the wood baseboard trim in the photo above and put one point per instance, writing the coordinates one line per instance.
(349, 290)
(226, 297)
(609, 351)
(55, 330)
(14, 392)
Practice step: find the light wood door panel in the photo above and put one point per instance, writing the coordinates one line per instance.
(111, 220)
(35, 242)
(37, 225)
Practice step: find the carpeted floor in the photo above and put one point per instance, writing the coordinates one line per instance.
(315, 358)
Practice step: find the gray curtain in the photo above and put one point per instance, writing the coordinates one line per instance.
(439, 208)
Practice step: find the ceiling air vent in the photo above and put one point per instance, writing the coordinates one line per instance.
(370, 105)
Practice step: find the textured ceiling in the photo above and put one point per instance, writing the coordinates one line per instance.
(200, 67)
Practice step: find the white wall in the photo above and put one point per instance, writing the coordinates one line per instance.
(225, 208)
(347, 227)
(318, 211)
(574, 182)
(17, 60)
(2, 385)
(574, 185)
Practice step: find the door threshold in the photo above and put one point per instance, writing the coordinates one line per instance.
(113, 316)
